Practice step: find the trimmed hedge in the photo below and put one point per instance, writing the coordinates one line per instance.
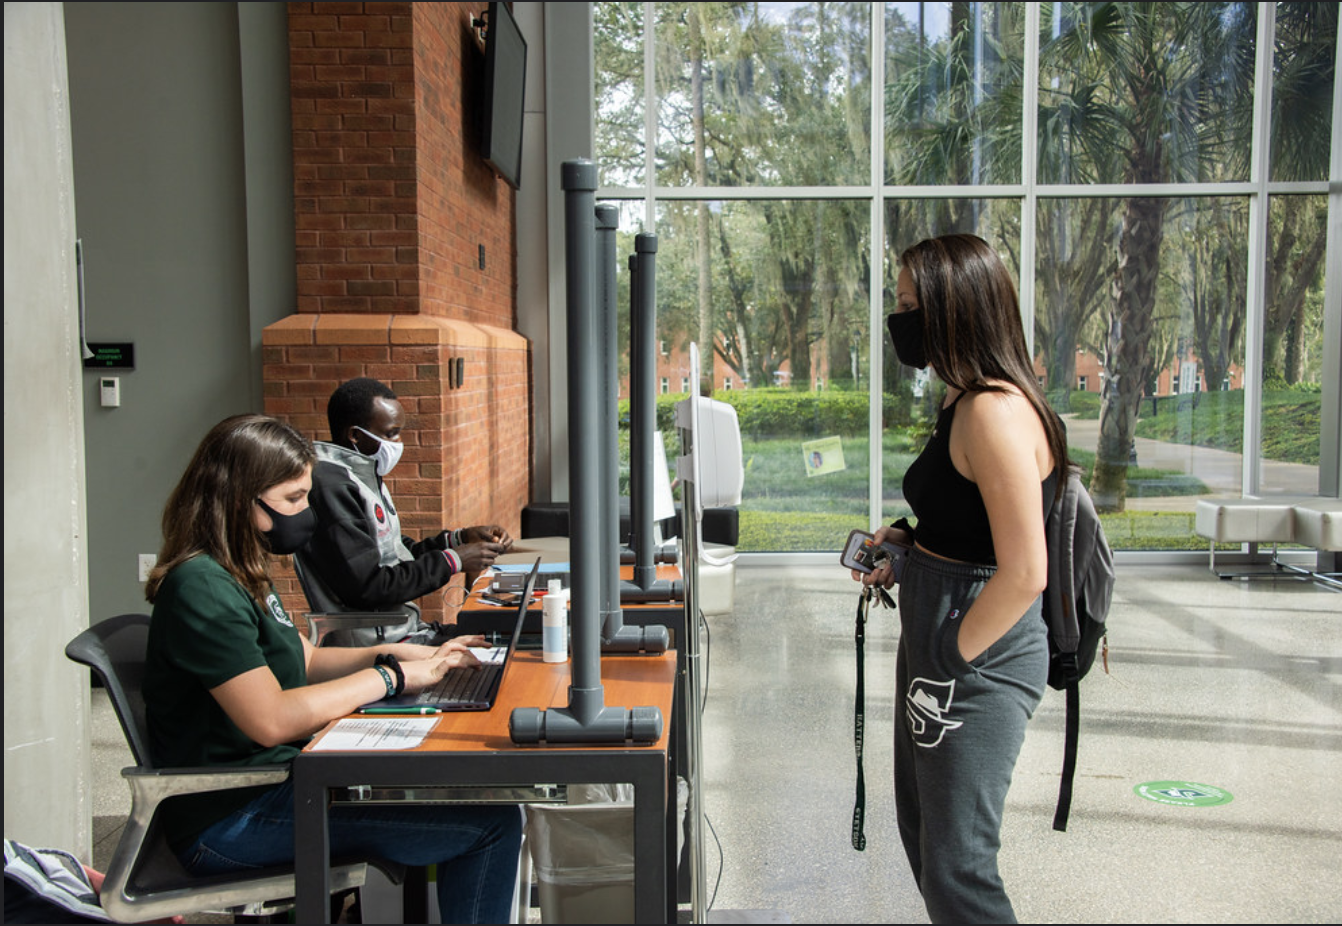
(776, 412)
(773, 532)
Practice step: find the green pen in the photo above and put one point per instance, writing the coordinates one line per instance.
(400, 710)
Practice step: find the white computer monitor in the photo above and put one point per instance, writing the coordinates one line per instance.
(715, 467)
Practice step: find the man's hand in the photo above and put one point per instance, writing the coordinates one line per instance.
(479, 556)
(486, 533)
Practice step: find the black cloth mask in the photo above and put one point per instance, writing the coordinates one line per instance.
(289, 532)
(906, 330)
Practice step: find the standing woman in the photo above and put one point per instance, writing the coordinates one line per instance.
(972, 662)
(229, 680)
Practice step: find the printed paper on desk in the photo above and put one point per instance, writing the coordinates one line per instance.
(376, 733)
(489, 655)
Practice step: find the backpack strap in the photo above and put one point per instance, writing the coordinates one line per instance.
(1073, 725)
(1060, 612)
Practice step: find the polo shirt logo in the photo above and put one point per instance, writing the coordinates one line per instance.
(277, 610)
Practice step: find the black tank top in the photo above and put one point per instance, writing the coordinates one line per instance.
(952, 520)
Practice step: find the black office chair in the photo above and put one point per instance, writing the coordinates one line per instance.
(323, 620)
(144, 880)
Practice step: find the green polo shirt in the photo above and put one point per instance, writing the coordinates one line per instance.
(206, 629)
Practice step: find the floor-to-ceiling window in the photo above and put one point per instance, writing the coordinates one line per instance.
(1156, 176)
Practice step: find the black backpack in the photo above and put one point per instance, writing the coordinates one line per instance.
(1076, 604)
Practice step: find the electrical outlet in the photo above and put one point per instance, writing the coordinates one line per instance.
(147, 562)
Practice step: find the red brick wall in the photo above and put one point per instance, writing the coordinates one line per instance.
(392, 204)
(352, 91)
(463, 207)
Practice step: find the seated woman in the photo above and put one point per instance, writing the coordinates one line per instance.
(229, 680)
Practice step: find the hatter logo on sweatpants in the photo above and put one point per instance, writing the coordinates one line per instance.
(927, 708)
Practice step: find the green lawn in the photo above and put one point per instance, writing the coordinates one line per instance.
(1290, 421)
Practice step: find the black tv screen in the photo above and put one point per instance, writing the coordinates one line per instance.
(505, 83)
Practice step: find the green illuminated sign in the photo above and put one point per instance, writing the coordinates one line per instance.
(119, 356)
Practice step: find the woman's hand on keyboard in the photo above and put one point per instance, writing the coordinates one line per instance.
(410, 652)
(424, 673)
(460, 644)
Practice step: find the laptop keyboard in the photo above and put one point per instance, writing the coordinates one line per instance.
(461, 684)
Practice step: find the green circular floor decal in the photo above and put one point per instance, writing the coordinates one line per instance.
(1183, 793)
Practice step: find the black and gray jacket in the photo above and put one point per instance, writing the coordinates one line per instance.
(358, 560)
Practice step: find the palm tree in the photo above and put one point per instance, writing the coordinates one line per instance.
(747, 100)
(1171, 73)
(1306, 39)
(1216, 285)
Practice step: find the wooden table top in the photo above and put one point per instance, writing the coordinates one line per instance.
(627, 681)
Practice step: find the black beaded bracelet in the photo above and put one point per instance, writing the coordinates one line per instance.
(386, 680)
(390, 661)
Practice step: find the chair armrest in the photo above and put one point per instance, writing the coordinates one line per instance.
(153, 785)
(321, 623)
(161, 890)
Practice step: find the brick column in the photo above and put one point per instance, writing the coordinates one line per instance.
(406, 261)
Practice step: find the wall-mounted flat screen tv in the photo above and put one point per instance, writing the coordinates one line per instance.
(505, 83)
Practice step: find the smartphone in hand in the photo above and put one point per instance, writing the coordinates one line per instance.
(861, 552)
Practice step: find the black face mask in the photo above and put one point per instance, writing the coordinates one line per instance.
(906, 330)
(288, 532)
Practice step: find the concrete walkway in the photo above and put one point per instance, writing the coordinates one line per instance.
(1220, 470)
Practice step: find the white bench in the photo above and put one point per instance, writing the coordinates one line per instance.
(1307, 520)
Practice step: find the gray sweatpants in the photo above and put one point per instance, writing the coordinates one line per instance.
(958, 732)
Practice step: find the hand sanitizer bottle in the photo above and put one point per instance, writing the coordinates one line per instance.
(554, 623)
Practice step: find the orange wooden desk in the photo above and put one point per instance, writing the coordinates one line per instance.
(474, 748)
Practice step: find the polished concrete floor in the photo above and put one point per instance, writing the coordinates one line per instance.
(1231, 685)
(1236, 685)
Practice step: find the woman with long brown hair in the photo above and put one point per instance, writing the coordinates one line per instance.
(972, 662)
(229, 680)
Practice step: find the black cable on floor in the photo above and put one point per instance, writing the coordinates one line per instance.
(707, 651)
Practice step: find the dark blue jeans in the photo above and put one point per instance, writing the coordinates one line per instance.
(474, 846)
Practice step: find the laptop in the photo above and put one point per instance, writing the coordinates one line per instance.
(466, 688)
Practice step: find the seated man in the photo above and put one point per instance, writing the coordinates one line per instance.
(358, 560)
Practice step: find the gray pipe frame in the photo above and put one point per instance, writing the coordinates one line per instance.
(642, 404)
(615, 636)
(586, 719)
(643, 427)
(612, 618)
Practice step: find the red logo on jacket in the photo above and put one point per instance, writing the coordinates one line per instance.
(379, 514)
